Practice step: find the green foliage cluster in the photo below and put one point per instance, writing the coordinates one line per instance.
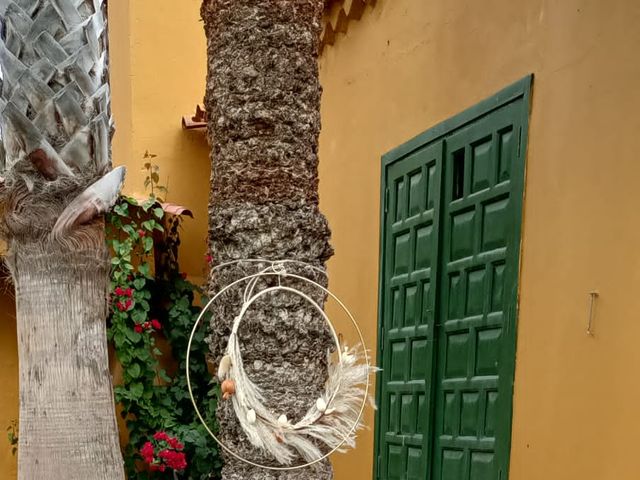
(12, 435)
(146, 307)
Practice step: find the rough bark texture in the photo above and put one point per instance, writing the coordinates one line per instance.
(56, 129)
(263, 100)
(67, 414)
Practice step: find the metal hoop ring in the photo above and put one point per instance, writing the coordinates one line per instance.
(311, 282)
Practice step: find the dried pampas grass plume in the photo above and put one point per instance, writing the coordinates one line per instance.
(331, 422)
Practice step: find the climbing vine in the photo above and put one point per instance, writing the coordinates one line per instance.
(153, 303)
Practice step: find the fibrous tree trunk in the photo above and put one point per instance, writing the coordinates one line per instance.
(57, 181)
(263, 104)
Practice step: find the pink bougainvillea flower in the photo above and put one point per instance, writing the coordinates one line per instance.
(156, 324)
(146, 325)
(138, 328)
(208, 258)
(142, 233)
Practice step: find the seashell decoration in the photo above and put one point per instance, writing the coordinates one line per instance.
(321, 405)
(224, 367)
(251, 416)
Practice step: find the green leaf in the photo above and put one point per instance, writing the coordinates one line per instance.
(145, 270)
(115, 261)
(148, 224)
(136, 390)
(134, 337)
(139, 283)
(138, 316)
(122, 209)
(163, 375)
(119, 338)
(134, 370)
(147, 243)
(158, 212)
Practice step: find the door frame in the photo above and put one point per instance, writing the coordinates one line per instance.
(521, 89)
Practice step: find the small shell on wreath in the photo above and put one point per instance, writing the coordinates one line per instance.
(224, 367)
(228, 388)
(279, 437)
(283, 421)
(251, 416)
(321, 405)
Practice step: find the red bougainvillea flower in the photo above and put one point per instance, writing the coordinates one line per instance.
(138, 328)
(120, 306)
(184, 275)
(127, 304)
(142, 233)
(170, 455)
(128, 292)
(147, 452)
(119, 291)
(175, 444)
(161, 436)
(173, 459)
(146, 325)
(156, 324)
(208, 258)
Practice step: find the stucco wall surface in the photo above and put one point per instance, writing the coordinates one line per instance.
(409, 64)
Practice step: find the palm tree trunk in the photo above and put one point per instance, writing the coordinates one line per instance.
(67, 417)
(56, 182)
(263, 101)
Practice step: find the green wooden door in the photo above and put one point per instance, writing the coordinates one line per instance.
(450, 237)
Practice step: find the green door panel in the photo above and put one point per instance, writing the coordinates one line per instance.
(450, 240)
(474, 370)
(413, 198)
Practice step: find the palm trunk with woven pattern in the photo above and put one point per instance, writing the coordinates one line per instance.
(56, 182)
(263, 104)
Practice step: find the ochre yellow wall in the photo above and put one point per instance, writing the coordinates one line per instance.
(407, 65)
(158, 69)
(8, 378)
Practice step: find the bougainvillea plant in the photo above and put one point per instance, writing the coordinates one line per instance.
(164, 453)
(152, 302)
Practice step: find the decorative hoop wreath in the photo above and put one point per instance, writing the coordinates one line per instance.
(337, 414)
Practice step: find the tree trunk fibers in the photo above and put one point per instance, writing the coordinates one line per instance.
(263, 102)
(55, 182)
(67, 415)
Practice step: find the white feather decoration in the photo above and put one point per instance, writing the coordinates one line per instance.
(333, 420)
(331, 423)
